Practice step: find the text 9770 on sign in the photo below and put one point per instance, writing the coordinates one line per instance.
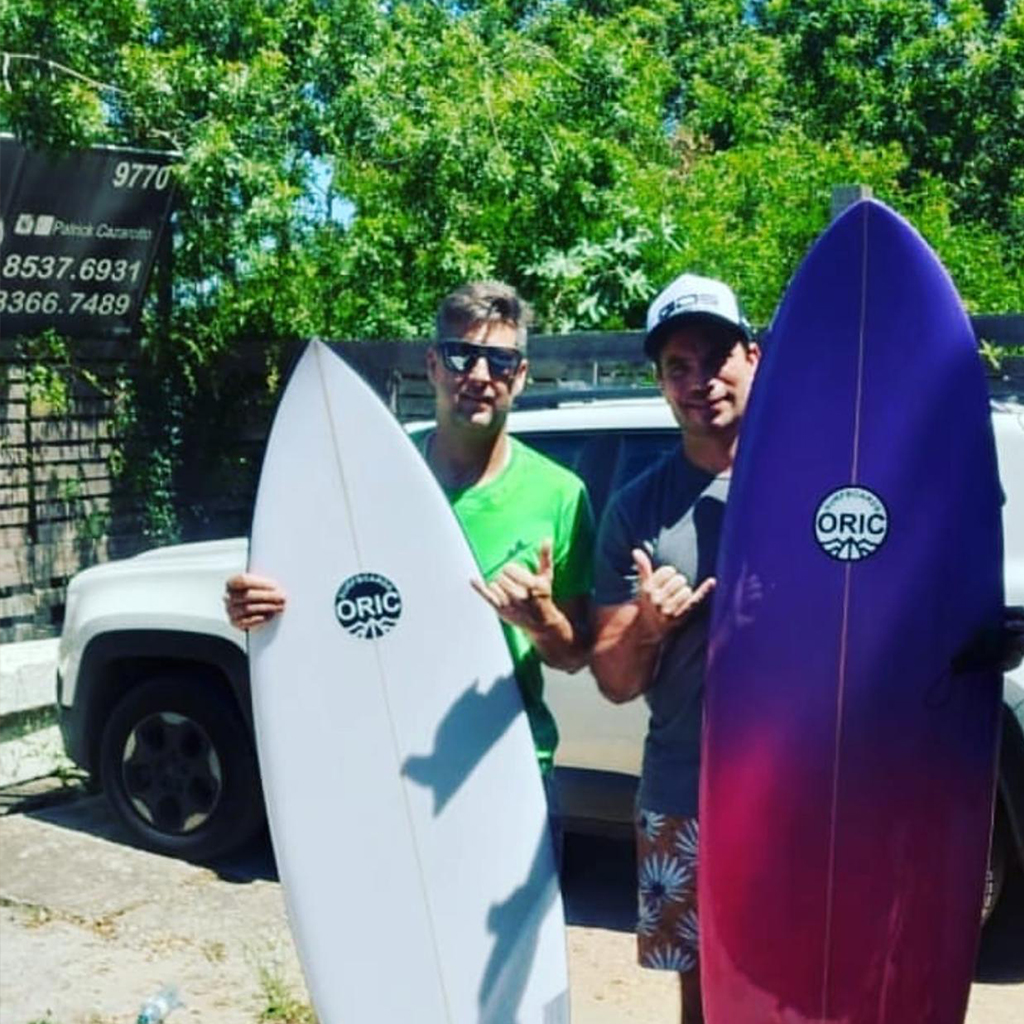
(130, 174)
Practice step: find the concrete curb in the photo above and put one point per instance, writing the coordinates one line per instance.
(33, 748)
(27, 676)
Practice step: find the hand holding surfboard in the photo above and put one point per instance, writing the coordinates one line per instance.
(252, 600)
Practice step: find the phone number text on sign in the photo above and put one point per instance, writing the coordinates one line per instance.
(75, 303)
(79, 235)
(59, 268)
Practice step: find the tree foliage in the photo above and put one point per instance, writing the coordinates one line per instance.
(344, 162)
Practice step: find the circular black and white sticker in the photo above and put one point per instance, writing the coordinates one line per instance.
(368, 605)
(851, 524)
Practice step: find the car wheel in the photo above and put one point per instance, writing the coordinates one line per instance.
(178, 767)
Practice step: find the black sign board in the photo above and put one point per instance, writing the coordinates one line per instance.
(78, 236)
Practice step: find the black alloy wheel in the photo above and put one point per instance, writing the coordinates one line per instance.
(171, 773)
(179, 770)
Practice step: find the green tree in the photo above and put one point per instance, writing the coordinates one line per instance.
(474, 148)
(344, 162)
(941, 79)
(573, 148)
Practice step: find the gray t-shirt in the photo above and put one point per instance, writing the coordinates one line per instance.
(674, 511)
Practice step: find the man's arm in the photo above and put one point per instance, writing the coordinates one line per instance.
(629, 636)
(564, 640)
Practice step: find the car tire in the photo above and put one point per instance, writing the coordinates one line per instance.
(995, 871)
(178, 767)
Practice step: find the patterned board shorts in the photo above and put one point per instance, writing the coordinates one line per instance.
(666, 856)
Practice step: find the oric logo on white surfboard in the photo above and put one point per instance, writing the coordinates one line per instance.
(851, 524)
(368, 605)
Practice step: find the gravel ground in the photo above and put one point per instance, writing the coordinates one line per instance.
(90, 926)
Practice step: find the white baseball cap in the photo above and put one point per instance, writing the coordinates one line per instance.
(692, 296)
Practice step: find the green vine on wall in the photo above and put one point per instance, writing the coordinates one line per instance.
(144, 415)
(48, 373)
(51, 377)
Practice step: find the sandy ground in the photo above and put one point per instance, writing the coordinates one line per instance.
(90, 926)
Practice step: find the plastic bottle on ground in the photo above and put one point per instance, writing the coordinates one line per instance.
(156, 1008)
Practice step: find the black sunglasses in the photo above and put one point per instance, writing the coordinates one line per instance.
(461, 357)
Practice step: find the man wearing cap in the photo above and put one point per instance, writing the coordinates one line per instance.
(656, 551)
(527, 519)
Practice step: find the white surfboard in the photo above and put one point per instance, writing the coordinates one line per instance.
(406, 809)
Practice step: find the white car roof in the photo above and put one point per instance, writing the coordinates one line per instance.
(636, 413)
(582, 414)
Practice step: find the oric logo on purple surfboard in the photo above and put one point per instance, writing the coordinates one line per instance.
(368, 605)
(851, 524)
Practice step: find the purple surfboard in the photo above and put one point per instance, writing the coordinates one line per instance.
(848, 769)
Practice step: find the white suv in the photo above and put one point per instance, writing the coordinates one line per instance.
(153, 683)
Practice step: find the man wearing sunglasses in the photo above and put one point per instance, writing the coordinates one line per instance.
(528, 519)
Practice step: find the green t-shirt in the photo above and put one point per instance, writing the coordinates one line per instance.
(506, 520)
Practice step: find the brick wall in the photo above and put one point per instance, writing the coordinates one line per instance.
(56, 486)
